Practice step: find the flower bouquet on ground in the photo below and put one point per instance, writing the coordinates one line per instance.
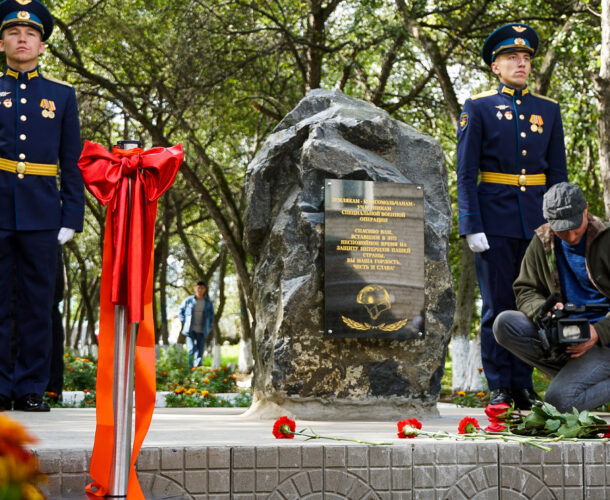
(19, 474)
(546, 421)
(544, 424)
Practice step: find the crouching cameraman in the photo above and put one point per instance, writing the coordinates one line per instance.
(568, 256)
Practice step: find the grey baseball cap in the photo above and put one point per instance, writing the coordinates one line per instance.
(563, 205)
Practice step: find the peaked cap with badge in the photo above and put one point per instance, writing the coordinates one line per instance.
(513, 37)
(41, 191)
(26, 13)
(510, 150)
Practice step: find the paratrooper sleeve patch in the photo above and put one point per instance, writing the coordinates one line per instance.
(463, 121)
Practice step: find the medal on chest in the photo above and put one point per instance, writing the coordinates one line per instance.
(48, 108)
(537, 122)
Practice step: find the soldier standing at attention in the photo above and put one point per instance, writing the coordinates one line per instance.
(39, 146)
(510, 150)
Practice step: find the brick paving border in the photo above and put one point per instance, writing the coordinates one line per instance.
(419, 469)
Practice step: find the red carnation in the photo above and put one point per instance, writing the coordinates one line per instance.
(468, 425)
(497, 411)
(408, 428)
(607, 435)
(284, 428)
(495, 427)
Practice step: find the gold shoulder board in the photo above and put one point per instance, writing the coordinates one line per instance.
(56, 80)
(484, 94)
(544, 97)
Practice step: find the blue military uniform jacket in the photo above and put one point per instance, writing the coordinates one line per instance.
(507, 131)
(39, 125)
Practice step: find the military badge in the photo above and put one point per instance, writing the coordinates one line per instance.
(48, 108)
(4, 94)
(508, 115)
(499, 115)
(463, 121)
(519, 29)
(7, 103)
(520, 41)
(502, 107)
(23, 14)
(24, 2)
(537, 122)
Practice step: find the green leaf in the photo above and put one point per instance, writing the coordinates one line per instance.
(552, 424)
(571, 420)
(569, 431)
(596, 419)
(585, 418)
(533, 420)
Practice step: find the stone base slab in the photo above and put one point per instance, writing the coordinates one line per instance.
(373, 409)
(413, 469)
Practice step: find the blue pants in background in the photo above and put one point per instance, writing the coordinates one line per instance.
(195, 344)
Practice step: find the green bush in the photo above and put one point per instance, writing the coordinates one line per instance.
(79, 373)
(201, 379)
(191, 398)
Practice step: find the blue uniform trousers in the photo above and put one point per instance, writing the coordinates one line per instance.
(497, 269)
(27, 259)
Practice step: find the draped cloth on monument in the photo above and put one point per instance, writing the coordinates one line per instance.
(129, 182)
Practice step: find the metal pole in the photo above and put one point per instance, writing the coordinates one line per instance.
(124, 364)
(124, 357)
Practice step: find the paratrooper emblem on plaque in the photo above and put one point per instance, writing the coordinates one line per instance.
(375, 299)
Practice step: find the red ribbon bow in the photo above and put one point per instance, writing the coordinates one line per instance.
(137, 178)
(130, 183)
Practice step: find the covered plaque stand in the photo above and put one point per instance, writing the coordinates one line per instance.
(130, 181)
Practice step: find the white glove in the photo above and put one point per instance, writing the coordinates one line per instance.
(477, 242)
(65, 234)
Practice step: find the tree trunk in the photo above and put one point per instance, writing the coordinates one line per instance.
(543, 78)
(602, 88)
(216, 360)
(475, 380)
(163, 330)
(67, 309)
(313, 52)
(245, 361)
(461, 353)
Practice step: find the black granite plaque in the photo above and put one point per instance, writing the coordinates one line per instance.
(374, 259)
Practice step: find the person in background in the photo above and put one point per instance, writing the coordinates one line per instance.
(196, 315)
(510, 150)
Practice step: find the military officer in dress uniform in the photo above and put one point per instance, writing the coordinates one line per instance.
(41, 197)
(510, 151)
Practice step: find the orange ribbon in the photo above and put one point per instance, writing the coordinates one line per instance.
(130, 183)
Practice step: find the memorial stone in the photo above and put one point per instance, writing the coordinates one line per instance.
(300, 370)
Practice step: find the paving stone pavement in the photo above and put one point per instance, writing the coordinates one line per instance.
(214, 453)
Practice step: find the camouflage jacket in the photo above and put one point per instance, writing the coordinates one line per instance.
(539, 277)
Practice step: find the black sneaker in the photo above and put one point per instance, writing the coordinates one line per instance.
(31, 402)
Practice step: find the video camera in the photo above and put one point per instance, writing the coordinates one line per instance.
(558, 329)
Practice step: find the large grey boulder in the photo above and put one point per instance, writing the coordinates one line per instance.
(299, 371)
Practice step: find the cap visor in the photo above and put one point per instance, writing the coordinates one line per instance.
(566, 224)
